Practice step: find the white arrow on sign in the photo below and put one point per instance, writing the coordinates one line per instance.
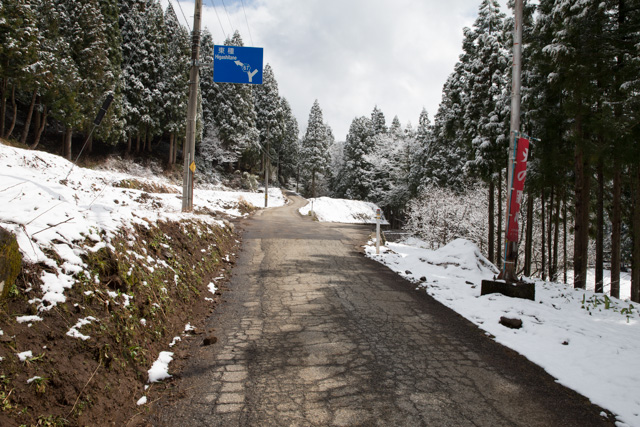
(247, 69)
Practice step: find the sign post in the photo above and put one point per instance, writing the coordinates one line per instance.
(378, 231)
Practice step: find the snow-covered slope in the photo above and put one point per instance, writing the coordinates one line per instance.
(49, 215)
(589, 342)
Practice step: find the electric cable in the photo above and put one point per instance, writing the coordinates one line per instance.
(247, 21)
(228, 17)
(224, 33)
(183, 15)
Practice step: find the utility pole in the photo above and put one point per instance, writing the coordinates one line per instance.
(507, 283)
(266, 170)
(511, 248)
(190, 142)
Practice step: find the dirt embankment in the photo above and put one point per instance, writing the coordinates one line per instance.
(136, 295)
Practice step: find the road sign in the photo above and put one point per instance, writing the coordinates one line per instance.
(237, 64)
(192, 167)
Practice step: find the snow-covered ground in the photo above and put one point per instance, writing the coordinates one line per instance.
(48, 214)
(340, 210)
(588, 342)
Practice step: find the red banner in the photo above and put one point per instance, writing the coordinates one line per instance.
(519, 176)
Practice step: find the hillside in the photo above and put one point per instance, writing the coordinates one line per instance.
(113, 273)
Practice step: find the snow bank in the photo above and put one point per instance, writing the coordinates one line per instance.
(589, 342)
(345, 211)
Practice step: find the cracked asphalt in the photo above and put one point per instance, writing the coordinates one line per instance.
(312, 333)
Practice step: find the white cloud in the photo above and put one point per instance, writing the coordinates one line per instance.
(351, 54)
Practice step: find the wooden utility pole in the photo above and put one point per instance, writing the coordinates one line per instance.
(194, 84)
(511, 248)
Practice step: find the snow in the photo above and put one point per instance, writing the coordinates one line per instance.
(75, 333)
(24, 355)
(341, 210)
(26, 319)
(142, 401)
(160, 368)
(213, 288)
(587, 341)
(30, 380)
(49, 214)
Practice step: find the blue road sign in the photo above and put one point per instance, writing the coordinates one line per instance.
(236, 64)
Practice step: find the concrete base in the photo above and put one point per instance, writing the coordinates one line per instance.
(514, 290)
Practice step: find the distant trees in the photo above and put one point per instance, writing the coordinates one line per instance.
(314, 149)
(581, 62)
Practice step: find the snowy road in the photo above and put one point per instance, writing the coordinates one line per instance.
(313, 333)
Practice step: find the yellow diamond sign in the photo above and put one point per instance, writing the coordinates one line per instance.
(192, 167)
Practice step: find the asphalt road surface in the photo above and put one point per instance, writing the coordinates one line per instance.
(314, 334)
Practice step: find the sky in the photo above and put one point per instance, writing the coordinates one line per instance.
(350, 55)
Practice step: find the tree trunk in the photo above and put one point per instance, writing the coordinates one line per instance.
(170, 160)
(3, 105)
(635, 263)
(149, 140)
(66, 149)
(556, 237)
(175, 150)
(499, 248)
(138, 143)
(491, 236)
(127, 153)
(37, 118)
(599, 288)
(581, 241)
(550, 232)
(543, 222)
(529, 236)
(313, 184)
(616, 223)
(27, 123)
(40, 128)
(564, 237)
(14, 104)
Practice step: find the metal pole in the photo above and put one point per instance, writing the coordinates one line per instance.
(511, 249)
(190, 142)
(377, 231)
(266, 172)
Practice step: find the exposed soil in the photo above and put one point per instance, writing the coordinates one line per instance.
(166, 268)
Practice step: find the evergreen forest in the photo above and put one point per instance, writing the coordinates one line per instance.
(443, 178)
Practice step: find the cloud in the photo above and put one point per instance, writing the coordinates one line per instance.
(351, 54)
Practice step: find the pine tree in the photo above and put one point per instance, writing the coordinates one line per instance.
(289, 155)
(269, 115)
(175, 81)
(378, 121)
(142, 29)
(314, 151)
(19, 45)
(356, 180)
(420, 151)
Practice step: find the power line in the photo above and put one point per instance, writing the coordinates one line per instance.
(228, 17)
(224, 33)
(247, 21)
(183, 15)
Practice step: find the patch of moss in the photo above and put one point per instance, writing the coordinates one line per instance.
(10, 262)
